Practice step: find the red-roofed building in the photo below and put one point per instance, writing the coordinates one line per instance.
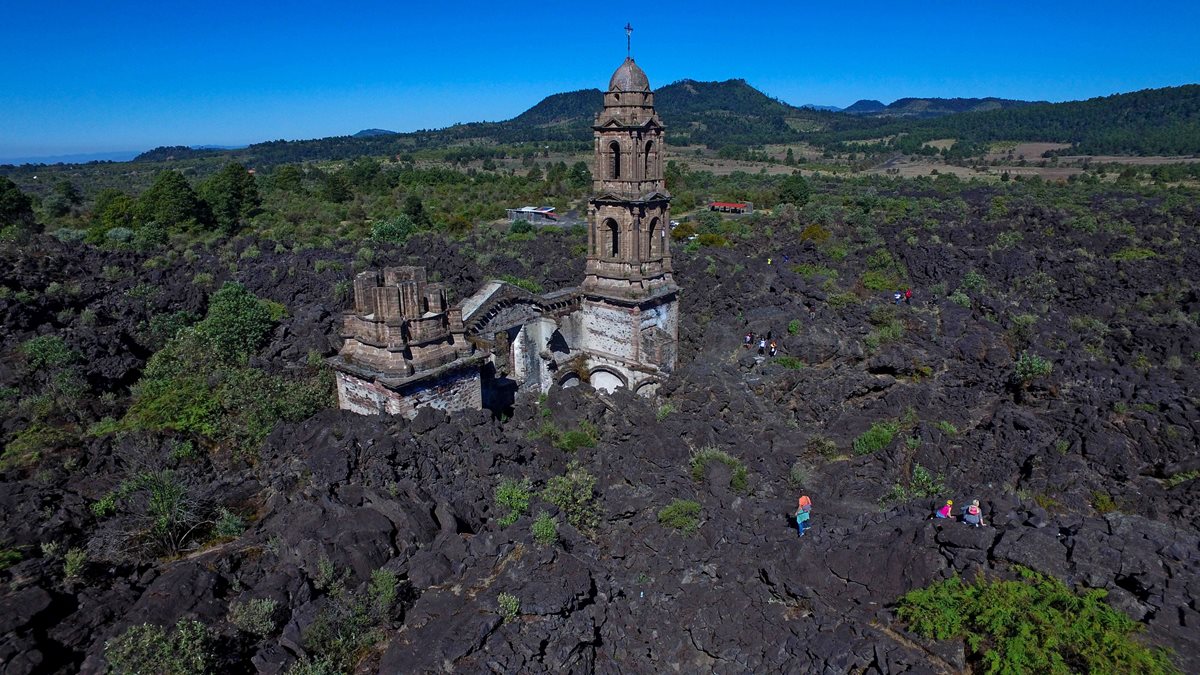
(731, 207)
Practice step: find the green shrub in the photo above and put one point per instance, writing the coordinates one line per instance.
(793, 327)
(513, 496)
(229, 525)
(702, 458)
(1181, 478)
(9, 557)
(974, 281)
(790, 362)
(878, 437)
(383, 591)
(545, 529)
(961, 299)
(47, 352)
(26, 447)
(237, 323)
(146, 648)
(808, 271)
(585, 436)
(664, 410)
(573, 494)
(713, 240)
(681, 514)
(921, 485)
(520, 227)
(1103, 502)
(798, 474)
(510, 606)
(822, 446)
(527, 284)
(1029, 367)
(1132, 253)
(256, 617)
(395, 230)
(1032, 625)
(947, 427)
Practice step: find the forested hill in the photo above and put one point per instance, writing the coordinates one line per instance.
(716, 114)
(938, 107)
(1148, 122)
(709, 113)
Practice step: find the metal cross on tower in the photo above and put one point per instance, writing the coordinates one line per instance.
(628, 38)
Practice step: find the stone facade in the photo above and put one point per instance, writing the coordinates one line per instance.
(405, 348)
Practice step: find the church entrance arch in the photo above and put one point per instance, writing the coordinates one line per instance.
(606, 380)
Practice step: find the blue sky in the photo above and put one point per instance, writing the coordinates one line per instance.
(90, 76)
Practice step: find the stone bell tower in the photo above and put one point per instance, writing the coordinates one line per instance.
(629, 212)
(630, 303)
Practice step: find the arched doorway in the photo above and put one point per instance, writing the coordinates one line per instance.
(656, 235)
(605, 381)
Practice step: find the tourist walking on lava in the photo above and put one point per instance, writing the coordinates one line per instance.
(749, 340)
(973, 515)
(802, 514)
(946, 511)
(762, 345)
(908, 296)
(774, 349)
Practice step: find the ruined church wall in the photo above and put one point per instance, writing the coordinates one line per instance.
(458, 390)
(609, 330)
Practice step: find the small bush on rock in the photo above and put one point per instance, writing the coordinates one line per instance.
(147, 648)
(921, 485)
(681, 514)
(703, 457)
(1032, 625)
(878, 437)
(512, 496)
(73, 563)
(545, 529)
(1030, 367)
(573, 493)
(256, 616)
(383, 592)
(510, 606)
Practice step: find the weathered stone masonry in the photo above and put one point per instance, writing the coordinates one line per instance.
(405, 348)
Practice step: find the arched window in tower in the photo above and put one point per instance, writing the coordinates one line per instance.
(614, 149)
(656, 235)
(612, 238)
(649, 168)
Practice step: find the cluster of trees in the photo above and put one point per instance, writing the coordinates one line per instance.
(225, 202)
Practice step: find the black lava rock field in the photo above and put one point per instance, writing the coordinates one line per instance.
(1045, 366)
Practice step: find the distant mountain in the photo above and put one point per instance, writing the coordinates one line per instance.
(814, 106)
(936, 107)
(367, 133)
(710, 113)
(78, 158)
(864, 106)
(931, 107)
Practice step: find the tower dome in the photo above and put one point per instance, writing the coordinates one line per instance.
(629, 77)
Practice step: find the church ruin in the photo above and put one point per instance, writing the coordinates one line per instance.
(405, 348)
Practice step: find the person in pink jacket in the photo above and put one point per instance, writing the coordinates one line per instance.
(946, 510)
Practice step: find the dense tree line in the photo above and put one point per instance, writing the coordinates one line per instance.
(1150, 122)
